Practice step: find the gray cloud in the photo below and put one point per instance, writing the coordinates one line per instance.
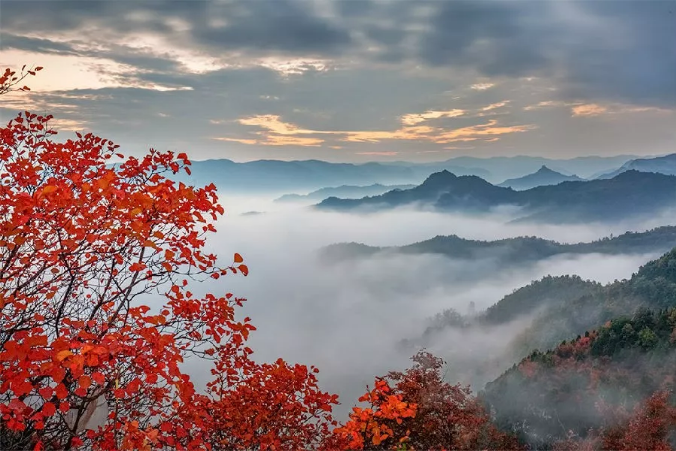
(635, 61)
(496, 38)
(258, 26)
(618, 49)
(385, 59)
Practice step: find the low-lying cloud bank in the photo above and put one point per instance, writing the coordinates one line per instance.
(349, 319)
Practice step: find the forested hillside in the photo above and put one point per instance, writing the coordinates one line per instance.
(589, 382)
(652, 287)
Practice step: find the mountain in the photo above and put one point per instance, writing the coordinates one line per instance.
(543, 177)
(652, 287)
(544, 293)
(269, 176)
(502, 168)
(513, 250)
(586, 382)
(469, 191)
(343, 192)
(599, 351)
(631, 194)
(595, 354)
(662, 165)
(274, 176)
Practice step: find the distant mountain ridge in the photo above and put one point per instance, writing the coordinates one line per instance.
(276, 176)
(543, 177)
(502, 168)
(513, 250)
(280, 176)
(343, 192)
(629, 194)
(662, 165)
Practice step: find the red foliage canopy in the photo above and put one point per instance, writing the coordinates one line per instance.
(418, 408)
(83, 246)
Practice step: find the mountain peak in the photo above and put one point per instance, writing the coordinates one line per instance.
(543, 176)
(439, 177)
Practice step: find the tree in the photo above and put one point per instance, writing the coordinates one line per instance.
(9, 79)
(82, 244)
(418, 408)
(649, 427)
(271, 406)
(373, 427)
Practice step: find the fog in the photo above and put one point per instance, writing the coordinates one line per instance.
(348, 319)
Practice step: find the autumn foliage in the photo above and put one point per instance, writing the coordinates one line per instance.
(649, 427)
(372, 426)
(419, 410)
(10, 79)
(86, 248)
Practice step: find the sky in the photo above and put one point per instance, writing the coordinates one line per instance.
(352, 80)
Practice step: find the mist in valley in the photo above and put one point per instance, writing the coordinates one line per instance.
(349, 318)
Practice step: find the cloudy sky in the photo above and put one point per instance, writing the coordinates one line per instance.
(352, 80)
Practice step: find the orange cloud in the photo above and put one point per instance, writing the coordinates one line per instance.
(476, 132)
(548, 104)
(237, 140)
(275, 140)
(482, 86)
(416, 118)
(580, 109)
(276, 132)
(590, 109)
(493, 106)
(415, 133)
(279, 133)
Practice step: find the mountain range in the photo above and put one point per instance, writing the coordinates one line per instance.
(512, 250)
(590, 355)
(631, 194)
(275, 176)
(543, 177)
(662, 165)
(502, 168)
(617, 349)
(343, 192)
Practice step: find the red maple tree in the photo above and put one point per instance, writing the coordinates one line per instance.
(419, 410)
(84, 361)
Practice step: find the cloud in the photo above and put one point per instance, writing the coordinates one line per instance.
(581, 109)
(482, 86)
(622, 51)
(262, 27)
(494, 106)
(278, 132)
(547, 104)
(413, 119)
(334, 67)
(588, 110)
(476, 132)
